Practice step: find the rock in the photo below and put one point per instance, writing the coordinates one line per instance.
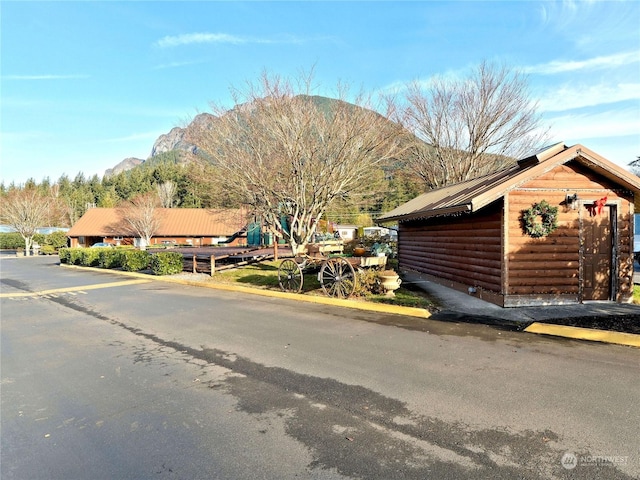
(176, 138)
(123, 166)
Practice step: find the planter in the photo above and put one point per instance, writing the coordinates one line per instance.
(359, 251)
(390, 282)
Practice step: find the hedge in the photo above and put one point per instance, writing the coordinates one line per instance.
(75, 256)
(166, 263)
(57, 239)
(135, 260)
(161, 263)
(65, 255)
(89, 257)
(47, 250)
(11, 240)
(109, 257)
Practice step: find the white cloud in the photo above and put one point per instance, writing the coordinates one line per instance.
(399, 86)
(572, 96)
(607, 124)
(191, 38)
(203, 37)
(178, 64)
(596, 63)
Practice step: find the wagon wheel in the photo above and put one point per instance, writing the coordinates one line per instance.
(338, 278)
(290, 276)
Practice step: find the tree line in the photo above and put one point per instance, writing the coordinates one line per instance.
(187, 184)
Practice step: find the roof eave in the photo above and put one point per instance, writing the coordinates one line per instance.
(613, 172)
(440, 212)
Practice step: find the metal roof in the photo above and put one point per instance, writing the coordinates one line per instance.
(472, 195)
(182, 222)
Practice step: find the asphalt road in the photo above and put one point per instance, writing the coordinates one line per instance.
(108, 378)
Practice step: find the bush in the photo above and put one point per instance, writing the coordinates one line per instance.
(367, 282)
(47, 250)
(64, 254)
(57, 239)
(75, 256)
(39, 238)
(109, 257)
(89, 257)
(11, 240)
(135, 260)
(166, 263)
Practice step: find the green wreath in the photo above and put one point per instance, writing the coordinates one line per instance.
(548, 214)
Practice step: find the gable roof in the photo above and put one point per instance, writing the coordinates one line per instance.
(472, 195)
(175, 222)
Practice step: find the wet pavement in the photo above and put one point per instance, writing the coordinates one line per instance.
(153, 380)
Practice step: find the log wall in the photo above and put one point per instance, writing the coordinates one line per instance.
(551, 265)
(465, 249)
(545, 265)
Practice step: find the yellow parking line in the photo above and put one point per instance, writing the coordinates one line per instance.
(73, 289)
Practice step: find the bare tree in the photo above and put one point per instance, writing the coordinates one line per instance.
(142, 216)
(290, 155)
(470, 126)
(25, 210)
(166, 193)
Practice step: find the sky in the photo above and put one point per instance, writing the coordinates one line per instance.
(86, 84)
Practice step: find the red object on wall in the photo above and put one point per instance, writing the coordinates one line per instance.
(596, 208)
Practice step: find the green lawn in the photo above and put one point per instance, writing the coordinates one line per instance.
(265, 275)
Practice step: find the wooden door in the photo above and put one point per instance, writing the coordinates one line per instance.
(597, 235)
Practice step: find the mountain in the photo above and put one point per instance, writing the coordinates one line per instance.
(123, 166)
(175, 140)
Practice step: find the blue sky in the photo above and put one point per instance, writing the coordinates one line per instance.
(85, 85)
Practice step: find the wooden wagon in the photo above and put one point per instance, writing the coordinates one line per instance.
(336, 274)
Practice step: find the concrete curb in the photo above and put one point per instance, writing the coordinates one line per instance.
(367, 306)
(579, 333)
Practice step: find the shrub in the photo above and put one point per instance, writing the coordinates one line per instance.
(166, 263)
(135, 260)
(11, 240)
(89, 257)
(57, 239)
(109, 257)
(75, 256)
(64, 254)
(367, 282)
(47, 250)
(39, 238)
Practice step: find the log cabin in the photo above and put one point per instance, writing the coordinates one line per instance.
(555, 228)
